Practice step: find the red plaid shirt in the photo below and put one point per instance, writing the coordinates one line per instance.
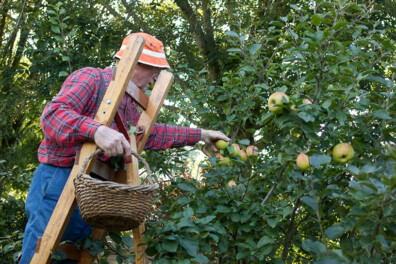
(68, 120)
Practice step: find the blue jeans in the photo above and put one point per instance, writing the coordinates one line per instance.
(45, 190)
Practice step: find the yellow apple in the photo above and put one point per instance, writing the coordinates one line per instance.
(276, 98)
(223, 160)
(221, 144)
(302, 161)
(343, 152)
(231, 183)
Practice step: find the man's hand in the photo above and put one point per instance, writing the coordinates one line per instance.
(211, 136)
(112, 142)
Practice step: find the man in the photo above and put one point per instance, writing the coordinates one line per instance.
(68, 122)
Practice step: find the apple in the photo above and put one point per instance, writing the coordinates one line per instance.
(294, 133)
(221, 144)
(231, 183)
(236, 150)
(302, 161)
(223, 160)
(251, 151)
(343, 152)
(242, 155)
(276, 98)
(307, 101)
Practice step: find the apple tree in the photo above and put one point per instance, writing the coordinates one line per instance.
(335, 54)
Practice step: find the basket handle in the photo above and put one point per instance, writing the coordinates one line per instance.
(96, 152)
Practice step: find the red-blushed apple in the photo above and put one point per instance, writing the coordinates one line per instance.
(343, 152)
(302, 161)
(221, 144)
(251, 151)
(242, 155)
(307, 101)
(276, 98)
(236, 150)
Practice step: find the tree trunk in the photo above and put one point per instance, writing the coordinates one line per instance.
(203, 36)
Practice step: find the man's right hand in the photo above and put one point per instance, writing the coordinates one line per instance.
(112, 142)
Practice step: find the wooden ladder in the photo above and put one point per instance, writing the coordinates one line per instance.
(105, 114)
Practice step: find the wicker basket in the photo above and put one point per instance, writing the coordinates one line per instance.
(113, 206)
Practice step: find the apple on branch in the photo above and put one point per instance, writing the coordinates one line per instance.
(223, 160)
(275, 100)
(235, 151)
(343, 152)
(251, 151)
(302, 161)
(221, 144)
(242, 155)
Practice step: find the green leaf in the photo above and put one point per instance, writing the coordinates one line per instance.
(317, 160)
(232, 34)
(381, 114)
(267, 117)
(222, 97)
(59, 39)
(328, 260)
(315, 247)
(384, 244)
(223, 209)
(309, 201)
(316, 19)
(191, 246)
(188, 212)
(200, 258)
(272, 222)
(243, 253)
(63, 73)
(287, 211)
(170, 245)
(55, 29)
(234, 50)
(306, 117)
(254, 48)
(334, 232)
(264, 241)
(244, 141)
(248, 68)
(186, 187)
(53, 21)
(127, 240)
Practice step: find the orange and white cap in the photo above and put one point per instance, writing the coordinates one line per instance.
(153, 52)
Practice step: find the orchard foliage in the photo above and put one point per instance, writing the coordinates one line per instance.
(334, 54)
(228, 57)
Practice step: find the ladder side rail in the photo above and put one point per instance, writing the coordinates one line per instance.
(107, 109)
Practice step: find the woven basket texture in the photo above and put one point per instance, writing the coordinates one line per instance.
(113, 206)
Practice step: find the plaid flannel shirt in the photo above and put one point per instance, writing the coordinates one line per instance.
(68, 120)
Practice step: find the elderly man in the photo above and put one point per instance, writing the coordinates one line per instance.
(68, 121)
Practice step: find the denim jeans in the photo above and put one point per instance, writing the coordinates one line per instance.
(45, 190)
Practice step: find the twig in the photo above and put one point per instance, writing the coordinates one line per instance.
(274, 186)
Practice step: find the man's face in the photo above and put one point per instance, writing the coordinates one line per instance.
(144, 75)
